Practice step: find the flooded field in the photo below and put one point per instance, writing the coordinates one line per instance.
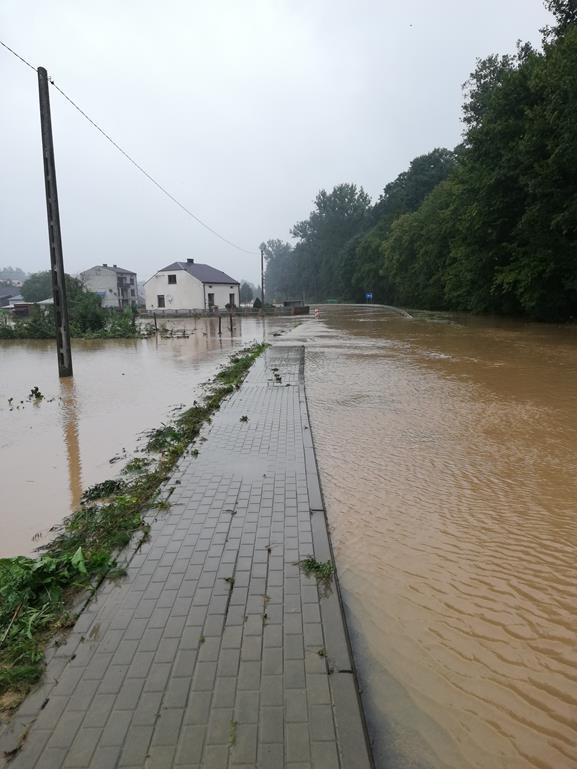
(448, 454)
(52, 450)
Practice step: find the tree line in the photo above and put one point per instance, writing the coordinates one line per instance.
(490, 226)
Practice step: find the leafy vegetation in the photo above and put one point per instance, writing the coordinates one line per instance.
(322, 570)
(489, 227)
(248, 291)
(88, 319)
(35, 593)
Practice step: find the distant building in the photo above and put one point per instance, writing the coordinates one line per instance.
(8, 294)
(116, 287)
(191, 286)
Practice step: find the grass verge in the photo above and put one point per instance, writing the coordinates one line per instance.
(36, 593)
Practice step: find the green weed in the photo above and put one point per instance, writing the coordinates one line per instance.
(322, 570)
(103, 490)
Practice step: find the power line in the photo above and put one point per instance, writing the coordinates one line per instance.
(18, 56)
(134, 163)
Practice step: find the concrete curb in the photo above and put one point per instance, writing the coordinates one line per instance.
(353, 736)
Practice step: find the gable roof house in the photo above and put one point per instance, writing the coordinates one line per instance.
(190, 286)
(116, 286)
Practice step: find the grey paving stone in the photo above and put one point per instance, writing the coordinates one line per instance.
(272, 725)
(216, 757)
(204, 675)
(157, 677)
(177, 691)
(160, 757)
(136, 746)
(272, 690)
(190, 746)
(116, 728)
(324, 755)
(318, 689)
(148, 709)
(198, 709)
(167, 728)
(224, 692)
(64, 733)
(249, 675)
(82, 749)
(296, 705)
(185, 662)
(297, 742)
(220, 726)
(244, 749)
(129, 694)
(247, 707)
(294, 674)
(104, 758)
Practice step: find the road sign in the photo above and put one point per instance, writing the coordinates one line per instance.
(369, 296)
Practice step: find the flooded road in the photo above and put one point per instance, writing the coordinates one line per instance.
(448, 454)
(52, 450)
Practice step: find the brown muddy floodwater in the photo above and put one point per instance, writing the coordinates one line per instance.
(448, 455)
(51, 451)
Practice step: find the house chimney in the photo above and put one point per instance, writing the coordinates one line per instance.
(104, 264)
(190, 261)
(114, 265)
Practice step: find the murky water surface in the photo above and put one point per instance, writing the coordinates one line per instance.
(448, 454)
(52, 450)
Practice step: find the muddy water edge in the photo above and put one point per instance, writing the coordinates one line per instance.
(87, 427)
(448, 453)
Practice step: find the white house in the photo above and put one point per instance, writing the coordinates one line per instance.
(116, 287)
(191, 286)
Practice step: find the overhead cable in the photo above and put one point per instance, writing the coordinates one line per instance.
(134, 163)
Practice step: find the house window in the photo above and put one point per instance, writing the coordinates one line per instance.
(210, 300)
(132, 292)
(172, 279)
(232, 300)
(160, 300)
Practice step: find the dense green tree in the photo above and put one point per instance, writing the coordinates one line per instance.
(37, 287)
(418, 247)
(84, 307)
(336, 218)
(281, 281)
(565, 13)
(247, 292)
(403, 195)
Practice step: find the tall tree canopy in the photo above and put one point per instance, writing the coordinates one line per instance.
(490, 227)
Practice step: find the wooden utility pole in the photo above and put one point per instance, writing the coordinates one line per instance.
(54, 236)
(262, 274)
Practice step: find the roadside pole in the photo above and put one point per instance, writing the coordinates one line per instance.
(262, 275)
(54, 235)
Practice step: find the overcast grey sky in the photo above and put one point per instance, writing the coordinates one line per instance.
(244, 110)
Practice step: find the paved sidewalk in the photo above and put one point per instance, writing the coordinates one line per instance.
(216, 650)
